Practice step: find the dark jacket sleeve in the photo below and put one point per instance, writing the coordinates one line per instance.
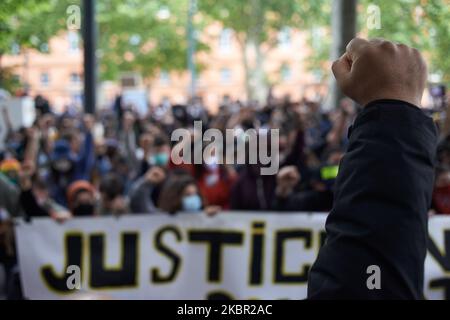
(140, 197)
(379, 215)
(30, 206)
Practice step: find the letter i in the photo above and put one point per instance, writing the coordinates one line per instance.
(257, 253)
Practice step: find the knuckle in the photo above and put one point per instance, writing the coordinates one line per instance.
(334, 66)
(403, 46)
(387, 45)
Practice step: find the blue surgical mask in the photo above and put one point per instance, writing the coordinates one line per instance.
(160, 159)
(192, 203)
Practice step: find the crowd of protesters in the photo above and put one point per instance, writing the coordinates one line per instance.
(118, 162)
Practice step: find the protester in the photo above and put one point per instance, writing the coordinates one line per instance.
(118, 162)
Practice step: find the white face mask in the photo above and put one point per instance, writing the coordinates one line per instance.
(192, 203)
(63, 165)
(212, 164)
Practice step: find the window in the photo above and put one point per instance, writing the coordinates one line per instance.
(74, 42)
(15, 49)
(45, 79)
(284, 38)
(286, 73)
(164, 78)
(225, 76)
(225, 40)
(77, 99)
(75, 77)
(44, 48)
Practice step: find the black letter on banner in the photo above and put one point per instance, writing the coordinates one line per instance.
(216, 240)
(73, 253)
(124, 275)
(281, 237)
(257, 253)
(161, 247)
(443, 259)
(219, 295)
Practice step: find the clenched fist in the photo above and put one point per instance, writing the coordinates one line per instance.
(379, 69)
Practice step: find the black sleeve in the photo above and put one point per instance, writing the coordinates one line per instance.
(30, 206)
(379, 217)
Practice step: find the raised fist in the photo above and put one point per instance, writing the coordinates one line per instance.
(155, 175)
(379, 69)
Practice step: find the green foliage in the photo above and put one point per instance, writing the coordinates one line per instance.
(9, 81)
(261, 19)
(143, 36)
(423, 24)
(135, 36)
(28, 23)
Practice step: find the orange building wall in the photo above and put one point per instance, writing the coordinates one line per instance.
(62, 61)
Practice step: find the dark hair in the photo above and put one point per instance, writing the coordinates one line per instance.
(111, 186)
(160, 140)
(170, 198)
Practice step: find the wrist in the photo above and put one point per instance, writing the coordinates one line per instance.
(283, 192)
(411, 99)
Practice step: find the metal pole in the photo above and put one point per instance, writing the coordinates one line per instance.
(90, 65)
(191, 47)
(343, 25)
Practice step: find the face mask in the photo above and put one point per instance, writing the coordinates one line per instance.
(160, 159)
(63, 165)
(83, 210)
(247, 124)
(192, 203)
(212, 164)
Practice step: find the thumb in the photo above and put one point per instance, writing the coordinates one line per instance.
(341, 69)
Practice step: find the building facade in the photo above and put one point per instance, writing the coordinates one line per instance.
(58, 74)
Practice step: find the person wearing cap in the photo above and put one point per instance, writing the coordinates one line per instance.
(71, 161)
(10, 168)
(81, 198)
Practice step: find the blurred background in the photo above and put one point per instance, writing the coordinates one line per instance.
(174, 49)
(91, 91)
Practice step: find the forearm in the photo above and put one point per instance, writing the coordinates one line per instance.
(30, 206)
(32, 149)
(379, 216)
(140, 197)
(128, 140)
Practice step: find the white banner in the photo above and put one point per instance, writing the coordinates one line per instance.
(232, 255)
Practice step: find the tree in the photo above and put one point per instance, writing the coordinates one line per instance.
(256, 24)
(424, 24)
(21, 23)
(22, 27)
(142, 36)
(134, 35)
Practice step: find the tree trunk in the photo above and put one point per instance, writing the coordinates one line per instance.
(255, 76)
(245, 64)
